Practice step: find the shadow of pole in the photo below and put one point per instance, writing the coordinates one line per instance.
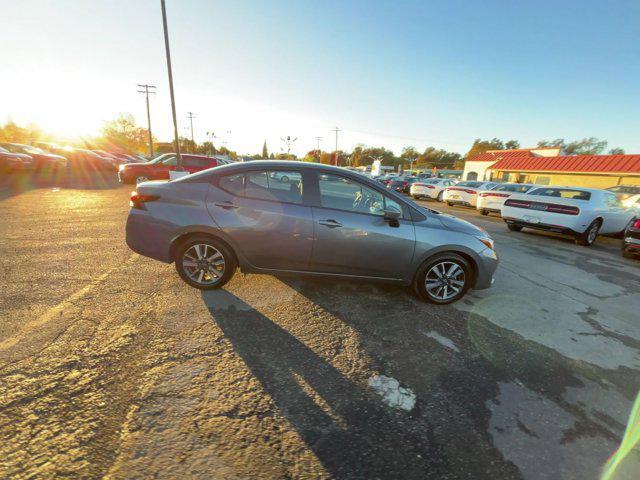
(358, 437)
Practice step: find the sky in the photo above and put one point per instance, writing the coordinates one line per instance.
(386, 73)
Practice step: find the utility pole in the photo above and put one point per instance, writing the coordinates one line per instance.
(173, 99)
(190, 116)
(148, 90)
(336, 130)
(288, 141)
(318, 139)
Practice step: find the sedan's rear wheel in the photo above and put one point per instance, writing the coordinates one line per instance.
(440, 197)
(589, 236)
(513, 227)
(205, 263)
(141, 179)
(484, 211)
(443, 279)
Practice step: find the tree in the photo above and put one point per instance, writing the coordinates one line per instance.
(442, 159)
(616, 151)
(409, 154)
(124, 133)
(586, 146)
(12, 132)
(481, 146)
(265, 152)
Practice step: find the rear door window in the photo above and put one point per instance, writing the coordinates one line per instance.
(271, 185)
(562, 193)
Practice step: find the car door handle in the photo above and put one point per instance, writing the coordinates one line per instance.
(330, 223)
(226, 205)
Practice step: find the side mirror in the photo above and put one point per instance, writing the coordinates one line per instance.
(392, 214)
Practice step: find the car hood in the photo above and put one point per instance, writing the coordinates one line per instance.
(459, 225)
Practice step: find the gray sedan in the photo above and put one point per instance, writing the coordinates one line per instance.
(324, 221)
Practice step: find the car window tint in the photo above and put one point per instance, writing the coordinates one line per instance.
(233, 184)
(345, 194)
(274, 185)
(562, 193)
(611, 200)
(171, 161)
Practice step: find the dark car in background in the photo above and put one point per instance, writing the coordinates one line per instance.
(159, 167)
(14, 162)
(402, 184)
(41, 159)
(631, 239)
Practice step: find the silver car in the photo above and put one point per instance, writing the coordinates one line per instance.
(324, 221)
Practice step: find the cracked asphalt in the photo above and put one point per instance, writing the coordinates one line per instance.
(111, 367)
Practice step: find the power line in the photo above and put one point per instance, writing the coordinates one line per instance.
(318, 139)
(148, 90)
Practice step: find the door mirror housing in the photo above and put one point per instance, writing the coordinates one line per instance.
(392, 214)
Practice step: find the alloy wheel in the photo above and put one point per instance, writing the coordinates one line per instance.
(445, 280)
(204, 264)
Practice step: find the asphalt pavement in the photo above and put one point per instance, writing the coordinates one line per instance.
(111, 366)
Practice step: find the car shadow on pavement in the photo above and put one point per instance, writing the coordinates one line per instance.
(17, 183)
(346, 426)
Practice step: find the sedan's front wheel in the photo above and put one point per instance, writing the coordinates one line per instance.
(443, 279)
(205, 263)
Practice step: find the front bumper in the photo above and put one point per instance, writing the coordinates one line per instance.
(486, 267)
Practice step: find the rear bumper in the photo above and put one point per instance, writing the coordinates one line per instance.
(541, 226)
(148, 236)
(631, 241)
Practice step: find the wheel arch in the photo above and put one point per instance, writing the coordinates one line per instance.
(473, 263)
(184, 236)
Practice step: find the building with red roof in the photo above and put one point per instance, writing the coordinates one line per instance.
(547, 167)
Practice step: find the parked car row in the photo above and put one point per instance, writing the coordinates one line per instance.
(17, 157)
(583, 213)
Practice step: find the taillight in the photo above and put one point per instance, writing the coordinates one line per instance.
(505, 195)
(636, 224)
(567, 210)
(471, 192)
(404, 184)
(517, 204)
(138, 200)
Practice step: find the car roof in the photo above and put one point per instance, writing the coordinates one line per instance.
(581, 189)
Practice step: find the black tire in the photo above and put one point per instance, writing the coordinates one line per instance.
(440, 197)
(419, 281)
(228, 256)
(140, 179)
(284, 179)
(484, 211)
(588, 237)
(450, 204)
(514, 228)
(415, 197)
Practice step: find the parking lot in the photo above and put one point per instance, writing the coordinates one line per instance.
(112, 366)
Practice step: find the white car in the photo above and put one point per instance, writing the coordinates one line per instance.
(491, 200)
(632, 202)
(430, 188)
(580, 212)
(466, 193)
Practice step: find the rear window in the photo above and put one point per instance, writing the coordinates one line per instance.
(513, 188)
(562, 193)
(470, 184)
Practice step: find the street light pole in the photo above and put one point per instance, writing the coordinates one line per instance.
(173, 99)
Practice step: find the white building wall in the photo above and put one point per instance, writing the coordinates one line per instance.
(480, 168)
